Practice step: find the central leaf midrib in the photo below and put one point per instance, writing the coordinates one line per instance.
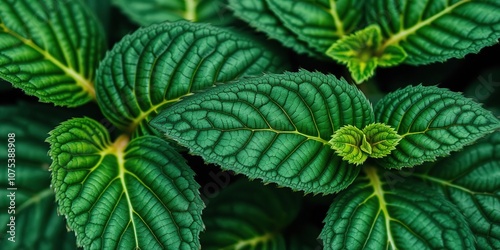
(79, 79)
(376, 183)
(190, 13)
(403, 34)
(336, 19)
(119, 147)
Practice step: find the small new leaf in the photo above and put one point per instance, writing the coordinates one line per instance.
(362, 53)
(350, 143)
(382, 139)
(355, 146)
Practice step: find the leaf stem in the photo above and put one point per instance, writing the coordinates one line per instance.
(190, 13)
(335, 15)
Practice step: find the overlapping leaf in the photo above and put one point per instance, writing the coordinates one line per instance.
(248, 215)
(432, 122)
(50, 49)
(276, 127)
(431, 31)
(137, 195)
(147, 12)
(470, 179)
(306, 26)
(158, 65)
(37, 224)
(371, 214)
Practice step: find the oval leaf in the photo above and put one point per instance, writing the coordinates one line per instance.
(432, 31)
(350, 143)
(50, 49)
(371, 214)
(249, 215)
(432, 122)
(381, 138)
(158, 65)
(275, 127)
(147, 12)
(470, 179)
(137, 195)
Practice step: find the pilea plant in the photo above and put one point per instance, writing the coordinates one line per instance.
(399, 170)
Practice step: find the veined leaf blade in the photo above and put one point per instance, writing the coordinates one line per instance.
(371, 214)
(127, 195)
(258, 14)
(470, 179)
(432, 122)
(50, 49)
(160, 64)
(319, 23)
(435, 31)
(276, 127)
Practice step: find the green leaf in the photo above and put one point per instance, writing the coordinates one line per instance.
(147, 12)
(174, 60)
(435, 31)
(350, 143)
(381, 138)
(432, 122)
(355, 146)
(275, 127)
(137, 195)
(50, 49)
(249, 215)
(361, 53)
(37, 224)
(470, 179)
(259, 15)
(306, 26)
(371, 214)
(318, 23)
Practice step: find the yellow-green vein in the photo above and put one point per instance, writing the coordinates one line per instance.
(376, 183)
(404, 33)
(86, 84)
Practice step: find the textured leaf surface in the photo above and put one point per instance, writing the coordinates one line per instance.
(275, 127)
(306, 26)
(431, 31)
(158, 65)
(249, 215)
(147, 12)
(433, 122)
(371, 214)
(350, 143)
(259, 15)
(123, 195)
(37, 224)
(50, 49)
(471, 180)
(318, 23)
(381, 138)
